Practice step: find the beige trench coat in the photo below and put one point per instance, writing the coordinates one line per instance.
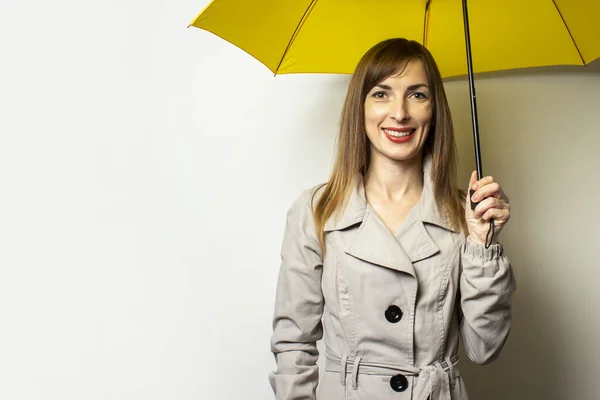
(390, 307)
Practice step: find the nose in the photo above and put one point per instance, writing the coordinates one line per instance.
(399, 110)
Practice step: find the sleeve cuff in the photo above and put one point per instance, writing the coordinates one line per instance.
(477, 251)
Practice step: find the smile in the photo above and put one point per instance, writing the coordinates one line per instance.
(398, 134)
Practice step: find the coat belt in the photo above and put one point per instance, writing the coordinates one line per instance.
(439, 376)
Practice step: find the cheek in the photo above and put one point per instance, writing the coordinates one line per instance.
(374, 113)
(424, 114)
(372, 121)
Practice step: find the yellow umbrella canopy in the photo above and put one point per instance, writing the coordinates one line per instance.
(330, 36)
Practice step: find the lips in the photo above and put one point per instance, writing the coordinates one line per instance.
(399, 135)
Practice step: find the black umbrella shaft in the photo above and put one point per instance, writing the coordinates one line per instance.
(472, 91)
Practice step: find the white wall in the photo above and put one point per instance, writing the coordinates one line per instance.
(146, 169)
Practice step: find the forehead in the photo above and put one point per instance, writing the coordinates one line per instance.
(408, 73)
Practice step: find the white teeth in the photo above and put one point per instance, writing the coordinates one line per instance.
(398, 134)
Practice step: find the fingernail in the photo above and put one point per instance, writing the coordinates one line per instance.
(474, 198)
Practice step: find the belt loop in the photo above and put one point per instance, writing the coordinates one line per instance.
(355, 372)
(451, 368)
(343, 368)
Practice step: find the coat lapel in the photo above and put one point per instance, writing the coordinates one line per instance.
(413, 235)
(375, 244)
(427, 206)
(417, 243)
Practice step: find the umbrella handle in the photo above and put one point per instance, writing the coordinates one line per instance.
(492, 231)
(473, 204)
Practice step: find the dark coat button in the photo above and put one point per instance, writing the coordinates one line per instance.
(393, 314)
(399, 383)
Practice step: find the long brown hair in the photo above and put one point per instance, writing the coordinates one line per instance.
(353, 150)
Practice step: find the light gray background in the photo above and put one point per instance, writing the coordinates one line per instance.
(146, 170)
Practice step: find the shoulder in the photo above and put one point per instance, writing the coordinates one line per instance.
(300, 223)
(301, 212)
(305, 203)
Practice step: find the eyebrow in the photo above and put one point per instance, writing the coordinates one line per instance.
(410, 88)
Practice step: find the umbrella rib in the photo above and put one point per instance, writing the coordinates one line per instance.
(426, 23)
(308, 10)
(568, 30)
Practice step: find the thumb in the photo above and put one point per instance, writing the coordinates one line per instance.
(471, 183)
(473, 179)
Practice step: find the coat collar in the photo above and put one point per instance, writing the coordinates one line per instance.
(376, 244)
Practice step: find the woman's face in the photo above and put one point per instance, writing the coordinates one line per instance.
(398, 113)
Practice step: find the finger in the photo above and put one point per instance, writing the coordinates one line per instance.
(488, 204)
(473, 179)
(482, 182)
(484, 205)
(489, 190)
(500, 215)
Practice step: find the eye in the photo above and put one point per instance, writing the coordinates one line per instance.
(419, 95)
(379, 94)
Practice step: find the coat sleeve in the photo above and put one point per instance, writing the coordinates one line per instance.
(486, 287)
(298, 307)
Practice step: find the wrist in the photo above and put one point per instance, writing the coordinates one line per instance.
(475, 239)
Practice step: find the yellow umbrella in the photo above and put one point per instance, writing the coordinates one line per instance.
(330, 36)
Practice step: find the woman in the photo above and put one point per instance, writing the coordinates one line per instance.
(387, 261)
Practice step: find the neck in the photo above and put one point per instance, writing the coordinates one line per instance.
(394, 180)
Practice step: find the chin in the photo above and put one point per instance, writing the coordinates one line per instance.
(403, 155)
